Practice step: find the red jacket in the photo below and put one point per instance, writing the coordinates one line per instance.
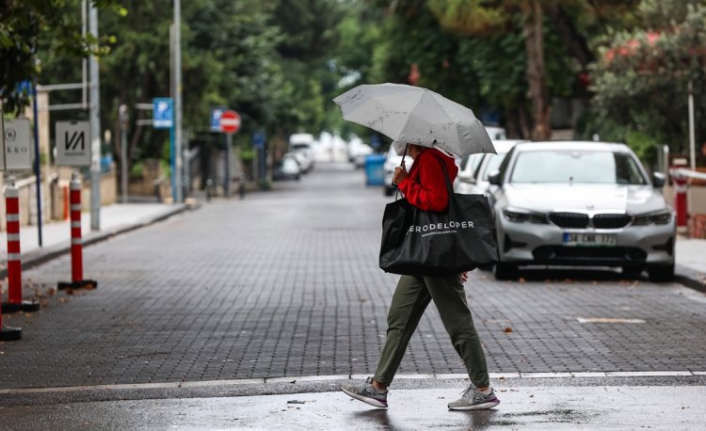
(425, 187)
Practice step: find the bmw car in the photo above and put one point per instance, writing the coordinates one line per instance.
(581, 203)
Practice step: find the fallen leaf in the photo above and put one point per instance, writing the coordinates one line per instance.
(64, 300)
(522, 280)
(507, 330)
(51, 291)
(69, 291)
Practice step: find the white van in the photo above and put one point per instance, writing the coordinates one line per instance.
(301, 144)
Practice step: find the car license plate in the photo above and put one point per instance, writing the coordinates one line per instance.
(590, 239)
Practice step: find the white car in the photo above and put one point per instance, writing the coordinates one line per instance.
(473, 173)
(357, 151)
(581, 203)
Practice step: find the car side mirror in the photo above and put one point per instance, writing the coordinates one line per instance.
(494, 177)
(658, 180)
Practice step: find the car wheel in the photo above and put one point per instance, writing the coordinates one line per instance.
(661, 273)
(632, 271)
(505, 271)
(389, 191)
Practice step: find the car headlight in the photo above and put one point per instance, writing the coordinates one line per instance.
(524, 216)
(660, 217)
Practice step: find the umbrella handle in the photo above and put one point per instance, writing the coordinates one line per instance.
(397, 190)
(404, 155)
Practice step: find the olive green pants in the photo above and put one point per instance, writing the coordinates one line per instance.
(411, 298)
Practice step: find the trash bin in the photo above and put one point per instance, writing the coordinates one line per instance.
(375, 170)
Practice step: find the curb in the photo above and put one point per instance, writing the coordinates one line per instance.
(690, 278)
(41, 256)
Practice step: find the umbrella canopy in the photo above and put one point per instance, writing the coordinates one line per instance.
(415, 115)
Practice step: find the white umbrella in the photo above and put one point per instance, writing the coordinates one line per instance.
(415, 115)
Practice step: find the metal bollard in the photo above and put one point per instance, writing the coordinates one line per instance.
(77, 280)
(158, 189)
(14, 256)
(241, 187)
(209, 189)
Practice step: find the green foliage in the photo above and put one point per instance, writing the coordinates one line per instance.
(642, 79)
(22, 22)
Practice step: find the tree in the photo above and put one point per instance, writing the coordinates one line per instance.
(21, 24)
(537, 20)
(641, 81)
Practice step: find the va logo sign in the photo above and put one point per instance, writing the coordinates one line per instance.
(73, 147)
(76, 141)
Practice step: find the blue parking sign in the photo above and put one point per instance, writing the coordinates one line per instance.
(216, 119)
(162, 113)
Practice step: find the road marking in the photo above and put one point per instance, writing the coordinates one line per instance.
(649, 373)
(544, 375)
(608, 320)
(243, 382)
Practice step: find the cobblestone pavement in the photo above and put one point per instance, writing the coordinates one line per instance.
(286, 284)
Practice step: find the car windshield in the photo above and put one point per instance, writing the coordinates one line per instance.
(493, 164)
(297, 147)
(586, 166)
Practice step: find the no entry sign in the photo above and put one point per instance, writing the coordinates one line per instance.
(230, 122)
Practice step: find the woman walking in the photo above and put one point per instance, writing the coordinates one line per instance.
(425, 188)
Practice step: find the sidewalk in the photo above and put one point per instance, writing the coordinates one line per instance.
(114, 220)
(691, 262)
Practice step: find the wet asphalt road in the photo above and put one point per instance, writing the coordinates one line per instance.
(285, 284)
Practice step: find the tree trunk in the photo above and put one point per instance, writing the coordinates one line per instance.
(536, 71)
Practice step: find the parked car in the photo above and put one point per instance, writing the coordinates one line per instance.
(496, 133)
(392, 160)
(357, 151)
(473, 172)
(287, 168)
(581, 203)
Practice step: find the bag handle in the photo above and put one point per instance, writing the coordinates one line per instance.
(447, 177)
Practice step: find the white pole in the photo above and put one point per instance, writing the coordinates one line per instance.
(95, 127)
(123, 150)
(177, 100)
(692, 137)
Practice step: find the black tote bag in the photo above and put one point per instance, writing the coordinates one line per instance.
(417, 242)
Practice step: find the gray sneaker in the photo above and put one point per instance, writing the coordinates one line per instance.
(473, 399)
(366, 393)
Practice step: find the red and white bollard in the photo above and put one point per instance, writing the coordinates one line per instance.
(14, 257)
(77, 280)
(681, 204)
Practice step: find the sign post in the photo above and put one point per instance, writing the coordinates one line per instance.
(163, 118)
(229, 124)
(73, 148)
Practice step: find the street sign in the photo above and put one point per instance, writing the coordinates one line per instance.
(18, 140)
(258, 139)
(73, 143)
(162, 113)
(216, 119)
(230, 122)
